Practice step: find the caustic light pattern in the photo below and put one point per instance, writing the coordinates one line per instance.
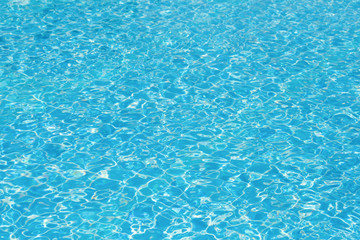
(188, 119)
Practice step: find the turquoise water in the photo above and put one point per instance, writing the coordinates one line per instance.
(183, 120)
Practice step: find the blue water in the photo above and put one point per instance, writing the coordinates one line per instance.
(190, 119)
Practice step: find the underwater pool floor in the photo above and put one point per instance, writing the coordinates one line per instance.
(190, 119)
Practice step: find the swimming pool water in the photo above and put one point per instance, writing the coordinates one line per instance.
(190, 119)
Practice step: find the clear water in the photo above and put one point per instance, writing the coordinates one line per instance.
(179, 119)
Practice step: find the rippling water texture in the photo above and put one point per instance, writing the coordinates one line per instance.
(179, 119)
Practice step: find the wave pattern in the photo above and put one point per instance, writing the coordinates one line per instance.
(179, 119)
